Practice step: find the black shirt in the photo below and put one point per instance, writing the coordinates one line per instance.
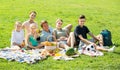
(80, 31)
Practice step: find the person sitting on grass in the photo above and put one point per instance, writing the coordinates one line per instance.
(47, 31)
(32, 38)
(26, 24)
(17, 39)
(61, 34)
(81, 32)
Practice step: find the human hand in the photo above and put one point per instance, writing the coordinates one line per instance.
(22, 44)
(62, 38)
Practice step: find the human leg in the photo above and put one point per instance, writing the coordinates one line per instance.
(71, 39)
(104, 49)
(100, 38)
(40, 46)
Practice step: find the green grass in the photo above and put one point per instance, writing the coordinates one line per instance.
(101, 14)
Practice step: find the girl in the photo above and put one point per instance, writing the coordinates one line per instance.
(17, 39)
(32, 38)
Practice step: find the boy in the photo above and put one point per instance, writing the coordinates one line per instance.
(81, 32)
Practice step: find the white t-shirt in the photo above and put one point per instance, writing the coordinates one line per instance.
(17, 37)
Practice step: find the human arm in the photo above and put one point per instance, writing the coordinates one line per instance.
(93, 36)
(59, 39)
(23, 25)
(84, 40)
(81, 34)
(28, 43)
(20, 45)
(14, 43)
(62, 36)
(54, 36)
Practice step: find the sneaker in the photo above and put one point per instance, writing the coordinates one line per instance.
(111, 49)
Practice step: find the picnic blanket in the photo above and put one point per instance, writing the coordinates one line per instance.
(33, 56)
(62, 56)
(89, 50)
(28, 56)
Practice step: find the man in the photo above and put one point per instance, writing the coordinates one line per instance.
(26, 24)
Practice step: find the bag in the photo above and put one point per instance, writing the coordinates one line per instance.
(107, 38)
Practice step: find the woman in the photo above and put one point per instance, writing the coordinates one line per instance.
(62, 34)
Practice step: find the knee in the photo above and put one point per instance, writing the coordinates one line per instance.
(70, 26)
(100, 36)
(71, 33)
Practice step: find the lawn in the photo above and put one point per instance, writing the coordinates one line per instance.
(101, 14)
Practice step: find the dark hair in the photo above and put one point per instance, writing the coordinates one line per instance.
(82, 17)
(33, 12)
(43, 22)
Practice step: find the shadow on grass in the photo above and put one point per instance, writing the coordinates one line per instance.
(117, 45)
(117, 53)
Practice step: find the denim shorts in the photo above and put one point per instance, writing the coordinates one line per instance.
(82, 43)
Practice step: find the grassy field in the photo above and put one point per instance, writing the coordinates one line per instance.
(101, 14)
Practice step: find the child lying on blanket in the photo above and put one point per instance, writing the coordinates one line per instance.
(17, 39)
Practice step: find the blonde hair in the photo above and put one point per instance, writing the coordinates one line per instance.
(59, 20)
(18, 22)
(32, 25)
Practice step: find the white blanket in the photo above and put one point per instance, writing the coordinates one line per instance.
(30, 56)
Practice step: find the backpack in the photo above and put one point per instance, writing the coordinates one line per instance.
(107, 38)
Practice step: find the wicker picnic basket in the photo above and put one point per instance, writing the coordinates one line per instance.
(51, 47)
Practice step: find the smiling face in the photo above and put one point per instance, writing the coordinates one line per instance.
(81, 22)
(18, 26)
(33, 28)
(59, 23)
(45, 27)
(32, 15)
